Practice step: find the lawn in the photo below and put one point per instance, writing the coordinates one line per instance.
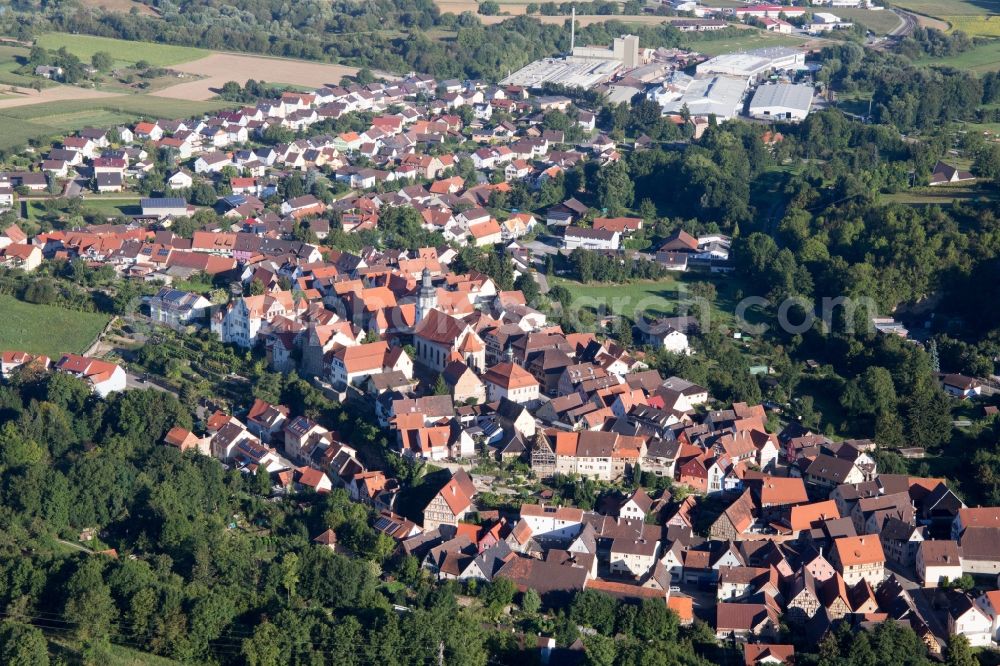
(748, 39)
(46, 329)
(112, 207)
(108, 207)
(657, 298)
(660, 298)
(121, 50)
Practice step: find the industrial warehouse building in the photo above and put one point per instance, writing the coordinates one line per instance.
(782, 101)
(585, 67)
(721, 96)
(752, 64)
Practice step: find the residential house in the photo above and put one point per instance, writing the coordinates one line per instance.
(590, 239)
(635, 554)
(768, 653)
(265, 421)
(511, 381)
(859, 558)
(451, 503)
(464, 384)
(104, 377)
(21, 255)
(937, 562)
(739, 621)
(178, 309)
(961, 386)
(967, 619)
(552, 523)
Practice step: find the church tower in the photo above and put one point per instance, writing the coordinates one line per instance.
(426, 296)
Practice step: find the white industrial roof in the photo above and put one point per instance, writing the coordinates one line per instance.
(785, 95)
(572, 72)
(719, 95)
(749, 63)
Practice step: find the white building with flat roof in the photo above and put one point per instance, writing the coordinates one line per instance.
(721, 96)
(572, 72)
(752, 64)
(781, 101)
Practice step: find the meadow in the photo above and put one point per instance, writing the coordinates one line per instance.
(880, 22)
(121, 50)
(942, 195)
(9, 62)
(981, 58)
(46, 329)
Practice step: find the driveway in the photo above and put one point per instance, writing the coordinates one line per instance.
(538, 248)
(542, 281)
(76, 187)
(135, 382)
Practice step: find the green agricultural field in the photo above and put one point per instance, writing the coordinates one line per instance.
(977, 26)
(132, 105)
(46, 329)
(123, 51)
(21, 123)
(15, 133)
(942, 8)
(748, 39)
(974, 17)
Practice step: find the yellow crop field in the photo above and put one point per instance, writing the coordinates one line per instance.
(981, 26)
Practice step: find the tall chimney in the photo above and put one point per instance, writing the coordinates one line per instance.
(572, 31)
